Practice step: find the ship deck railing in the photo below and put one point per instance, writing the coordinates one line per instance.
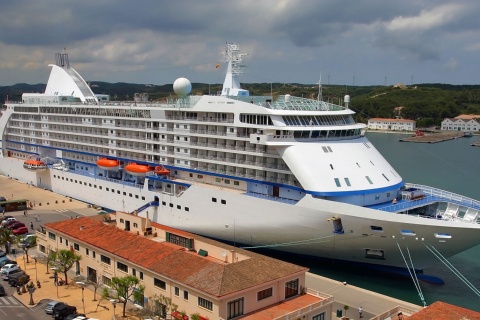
(447, 195)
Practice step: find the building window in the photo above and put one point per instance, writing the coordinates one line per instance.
(185, 295)
(61, 240)
(93, 254)
(177, 291)
(122, 267)
(204, 303)
(105, 259)
(76, 247)
(134, 272)
(106, 281)
(159, 283)
(264, 294)
(235, 308)
(51, 236)
(291, 289)
(66, 242)
(141, 275)
(320, 316)
(87, 251)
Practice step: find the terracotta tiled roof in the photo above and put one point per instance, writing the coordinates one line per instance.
(172, 261)
(444, 311)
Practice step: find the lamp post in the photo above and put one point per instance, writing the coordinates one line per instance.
(114, 303)
(36, 274)
(82, 285)
(55, 277)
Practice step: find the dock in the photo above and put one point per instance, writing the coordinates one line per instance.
(433, 137)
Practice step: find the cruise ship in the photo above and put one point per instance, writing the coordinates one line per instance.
(286, 173)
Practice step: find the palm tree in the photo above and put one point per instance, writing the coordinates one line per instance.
(7, 239)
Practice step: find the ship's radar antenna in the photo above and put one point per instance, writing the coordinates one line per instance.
(231, 85)
(320, 95)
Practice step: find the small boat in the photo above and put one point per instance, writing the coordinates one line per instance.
(34, 165)
(139, 170)
(108, 164)
(467, 134)
(161, 171)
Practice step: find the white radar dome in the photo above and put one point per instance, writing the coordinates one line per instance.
(347, 98)
(182, 87)
(287, 98)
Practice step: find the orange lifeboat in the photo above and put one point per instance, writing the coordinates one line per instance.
(161, 171)
(139, 170)
(108, 164)
(34, 165)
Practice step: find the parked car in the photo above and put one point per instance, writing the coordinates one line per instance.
(7, 221)
(2, 199)
(16, 225)
(50, 305)
(21, 230)
(2, 291)
(4, 260)
(61, 310)
(10, 266)
(6, 274)
(28, 240)
(5, 218)
(18, 279)
(75, 316)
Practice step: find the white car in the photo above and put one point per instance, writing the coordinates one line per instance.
(9, 267)
(4, 222)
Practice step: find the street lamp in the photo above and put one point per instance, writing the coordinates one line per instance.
(82, 285)
(36, 274)
(55, 277)
(114, 303)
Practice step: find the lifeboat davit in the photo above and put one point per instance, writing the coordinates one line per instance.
(108, 164)
(139, 170)
(35, 165)
(161, 171)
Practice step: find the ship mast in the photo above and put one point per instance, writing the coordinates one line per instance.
(231, 85)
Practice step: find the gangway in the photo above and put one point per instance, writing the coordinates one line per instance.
(145, 206)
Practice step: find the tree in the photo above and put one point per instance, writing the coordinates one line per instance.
(7, 239)
(161, 306)
(27, 246)
(50, 258)
(96, 282)
(122, 289)
(65, 259)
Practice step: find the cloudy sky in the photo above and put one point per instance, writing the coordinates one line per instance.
(366, 42)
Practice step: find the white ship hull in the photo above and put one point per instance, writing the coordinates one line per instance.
(302, 228)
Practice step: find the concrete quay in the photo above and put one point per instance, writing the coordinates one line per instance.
(375, 305)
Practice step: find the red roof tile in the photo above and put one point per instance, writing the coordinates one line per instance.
(444, 311)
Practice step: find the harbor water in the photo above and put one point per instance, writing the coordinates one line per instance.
(451, 165)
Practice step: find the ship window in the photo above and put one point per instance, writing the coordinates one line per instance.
(375, 254)
(385, 176)
(179, 207)
(171, 205)
(130, 195)
(325, 149)
(376, 228)
(442, 235)
(136, 196)
(217, 179)
(368, 179)
(124, 193)
(224, 201)
(377, 196)
(227, 181)
(337, 182)
(347, 181)
(108, 189)
(164, 203)
(187, 209)
(143, 198)
(331, 166)
(372, 163)
(214, 199)
(358, 165)
(236, 183)
(408, 233)
(329, 149)
(118, 191)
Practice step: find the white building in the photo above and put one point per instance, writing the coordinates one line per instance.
(391, 124)
(462, 123)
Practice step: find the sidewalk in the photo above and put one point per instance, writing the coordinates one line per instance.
(70, 294)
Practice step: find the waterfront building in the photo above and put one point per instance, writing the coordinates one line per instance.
(391, 124)
(462, 123)
(200, 275)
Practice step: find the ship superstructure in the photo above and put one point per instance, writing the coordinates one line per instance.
(288, 173)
